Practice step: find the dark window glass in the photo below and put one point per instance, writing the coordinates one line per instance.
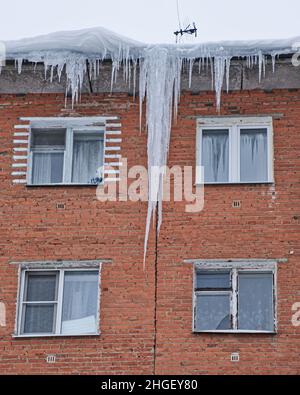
(213, 280)
(39, 318)
(48, 137)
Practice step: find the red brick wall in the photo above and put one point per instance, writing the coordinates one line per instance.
(266, 226)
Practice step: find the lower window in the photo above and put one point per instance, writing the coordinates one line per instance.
(234, 300)
(59, 302)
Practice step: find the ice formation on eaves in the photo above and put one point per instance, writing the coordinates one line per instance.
(160, 68)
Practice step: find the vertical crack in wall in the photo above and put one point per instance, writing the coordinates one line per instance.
(242, 77)
(155, 291)
(89, 76)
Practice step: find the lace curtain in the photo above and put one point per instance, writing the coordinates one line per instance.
(47, 168)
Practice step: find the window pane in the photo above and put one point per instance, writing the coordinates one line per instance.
(215, 155)
(213, 279)
(47, 168)
(47, 138)
(39, 318)
(254, 155)
(255, 304)
(213, 312)
(87, 158)
(41, 288)
(80, 303)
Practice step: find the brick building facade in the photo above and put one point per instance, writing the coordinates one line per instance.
(146, 315)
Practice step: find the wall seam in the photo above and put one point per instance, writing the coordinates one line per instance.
(155, 292)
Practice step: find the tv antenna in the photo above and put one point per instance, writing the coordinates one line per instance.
(190, 30)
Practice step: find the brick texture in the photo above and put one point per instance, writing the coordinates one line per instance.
(266, 226)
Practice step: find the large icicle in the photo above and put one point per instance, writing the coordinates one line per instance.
(160, 83)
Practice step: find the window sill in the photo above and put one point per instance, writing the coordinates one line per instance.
(63, 185)
(235, 183)
(237, 332)
(51, 335)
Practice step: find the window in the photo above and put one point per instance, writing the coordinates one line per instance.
(58, 302)
(66, 155)
(234, 300)
(235, 150)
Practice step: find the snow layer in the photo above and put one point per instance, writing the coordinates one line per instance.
(97, 41)
(159, 78)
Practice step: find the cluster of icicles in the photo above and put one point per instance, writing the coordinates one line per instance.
(160, 68)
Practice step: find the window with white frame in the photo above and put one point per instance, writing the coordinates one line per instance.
(235, 150)
(58, 302)
(66, 155)
(240, 299)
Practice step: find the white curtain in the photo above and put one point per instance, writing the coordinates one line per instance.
(47, 168)
(255, 302)
(80, 301)
(254, 155)
(215, 155)
(213, 312)
(87, 158)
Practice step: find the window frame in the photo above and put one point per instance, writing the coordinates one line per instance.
(20, 316)
(234, 125)
(71, 130)
(235, 268)
(214, 291)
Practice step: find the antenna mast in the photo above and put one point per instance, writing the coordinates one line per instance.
(188, 30)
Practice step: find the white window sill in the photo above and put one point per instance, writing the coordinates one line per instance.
(14, 336)
(235, 183)
(232, 331)
(65, 185)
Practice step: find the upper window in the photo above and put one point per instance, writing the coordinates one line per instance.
(58, 302)
(66, 156)
(237, 299)
(235, 150)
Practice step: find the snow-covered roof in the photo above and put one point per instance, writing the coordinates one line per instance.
(95, 41)
(87, 42)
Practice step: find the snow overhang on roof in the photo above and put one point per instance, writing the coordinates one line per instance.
(102, 43)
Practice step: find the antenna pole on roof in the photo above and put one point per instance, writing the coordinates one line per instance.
(188, 30)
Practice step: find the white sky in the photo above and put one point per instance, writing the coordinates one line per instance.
(153, 20)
